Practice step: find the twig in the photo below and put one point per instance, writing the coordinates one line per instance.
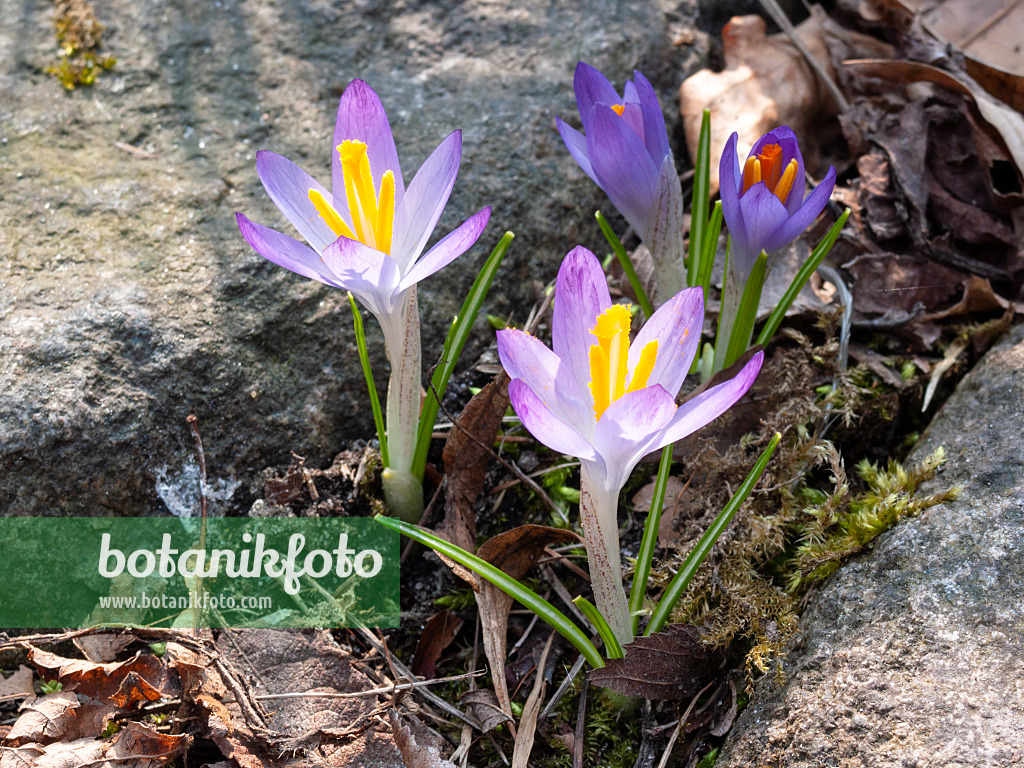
(193, 425)
(682, 723)
(426, 693)
(562, 592)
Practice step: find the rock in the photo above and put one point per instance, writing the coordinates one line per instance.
(913, 654)
(128, 299)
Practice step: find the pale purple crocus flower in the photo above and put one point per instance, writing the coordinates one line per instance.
(610, 402)
(367, 236)
(763, 203)
(624, 149)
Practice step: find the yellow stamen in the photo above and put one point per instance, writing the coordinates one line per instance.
(329, 215)
(618, 109)
(610, 356)
(785, 185)
(644, 366)
(385, 212)
(751, 173)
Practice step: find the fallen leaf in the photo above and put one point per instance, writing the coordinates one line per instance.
(104, 647)
(102, 681)
(880, 365)
(666, 666)
(978, 297)
(888, 282)
(18, 685)
(437, 635)
(413, 755)
(484, 705)
(133, 690)
(45, 720)
(467, 454)
(531, 709)
(135, 745)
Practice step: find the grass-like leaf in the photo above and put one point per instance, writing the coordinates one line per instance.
(627, 265)
(364, 360)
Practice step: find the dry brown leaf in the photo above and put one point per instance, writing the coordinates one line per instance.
(467, 454)
(531, 709)
(987, 32)
(135, 745)
(46, 719)
(676, 496)
(889, 281)
(978, 297)
(667, 666)
(102, 681)
(413, 755)
(485, 708)
(105, 647)
(133, 690)
(191, 669)
(437, 635)
(17, 686)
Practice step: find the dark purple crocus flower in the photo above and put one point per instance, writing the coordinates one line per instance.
(624, 149)
(764, 205)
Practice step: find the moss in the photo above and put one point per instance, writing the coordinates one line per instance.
(80, 35)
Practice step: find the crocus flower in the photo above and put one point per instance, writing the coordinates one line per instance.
(763, 205)
(625, 150)
(610, 402)
(367, 236)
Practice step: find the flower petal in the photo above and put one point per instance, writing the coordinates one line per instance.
(449, 248)
(655, 135)
(372, 276)
(763, 214)
(805, 215)
(592, 88)
(729, 179)
(527, 358)
(284, 251)
(361, 117)
(288, 186)
(623, 166)
(577, 146)
(786, 138)
(545, 426)
(581, 294)
(425, 199)
(630, 429)
(677, 326)
(709, 405)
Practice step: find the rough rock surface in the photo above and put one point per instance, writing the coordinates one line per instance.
(127, 297)
(912, 655)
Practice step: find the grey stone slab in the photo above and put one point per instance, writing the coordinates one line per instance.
(127, 297)
(912, 655)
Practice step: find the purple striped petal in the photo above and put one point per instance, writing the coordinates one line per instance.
(577, 146)
(805, 215)
(677, 326)
(372, 276)
(623, 166)
(592, 88)
(581, 294)
(361, 117)
(763, 214)
(545, 426)
(425, 199)
(630, 429)
(709, 405)
(655, 135)
(288, 186)
(284, 251)
(527, 358)
(449, 248)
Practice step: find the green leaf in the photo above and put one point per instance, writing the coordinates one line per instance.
(611, 643)
(650, 539)
(515, 589)
(700, 202)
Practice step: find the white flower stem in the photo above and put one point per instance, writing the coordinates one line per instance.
(403, 491)
(599, 512)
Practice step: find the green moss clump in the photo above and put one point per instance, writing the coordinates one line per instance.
(80, 37)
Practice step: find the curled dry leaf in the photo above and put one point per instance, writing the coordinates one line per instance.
(104, 647)
(133, 690)
(676, 496)
(102, 681)
(667, 666)
(135, 745)
(413, 755)
(486, 709)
